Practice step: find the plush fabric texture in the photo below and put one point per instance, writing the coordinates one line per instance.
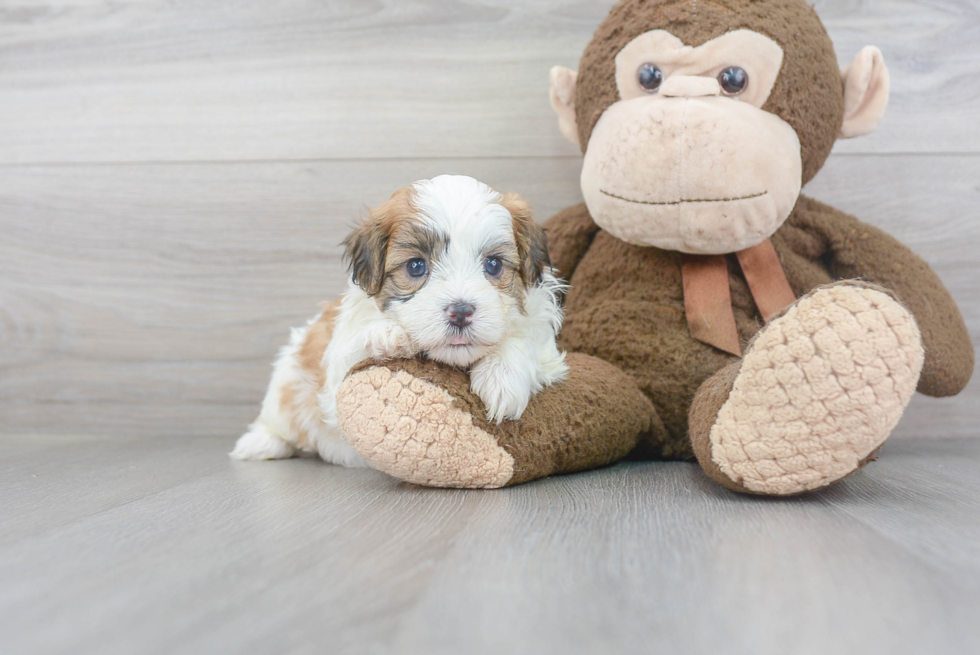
(626, 304)
(652, 173)
(859, 250)
(682, 65)
(410, 429)
(570, 233)
(418, 420)
(866, 89)
(562, 97)
(820, 389)
(807, 94)
(711, 397)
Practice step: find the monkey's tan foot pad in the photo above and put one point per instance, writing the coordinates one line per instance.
(411, 429)
(418, 421)
(819, 391)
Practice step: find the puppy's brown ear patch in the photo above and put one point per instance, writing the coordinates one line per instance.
(365, 255)
(366, 247)
(532, 242)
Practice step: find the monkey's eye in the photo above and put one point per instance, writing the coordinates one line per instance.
(733, 80)
(492, 266)
(650, 77)
(417, 267)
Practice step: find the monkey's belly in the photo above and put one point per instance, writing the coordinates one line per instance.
(651, 343)
(626, 306)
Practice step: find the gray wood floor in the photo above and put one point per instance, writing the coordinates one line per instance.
(116, 545)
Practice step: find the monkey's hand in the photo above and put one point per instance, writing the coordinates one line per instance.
(385, 339)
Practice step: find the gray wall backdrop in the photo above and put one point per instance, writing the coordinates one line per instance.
(175, 175)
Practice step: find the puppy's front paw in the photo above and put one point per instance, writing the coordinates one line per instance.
(387, 340)
(504, 389)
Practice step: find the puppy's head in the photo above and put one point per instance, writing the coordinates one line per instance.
(450, 260)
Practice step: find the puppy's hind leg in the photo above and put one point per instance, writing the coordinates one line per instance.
(271, 435)
(259, 443)
(291, 416)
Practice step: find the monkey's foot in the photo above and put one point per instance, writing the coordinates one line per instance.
(411, 429)
(819, 391)
(419, 422)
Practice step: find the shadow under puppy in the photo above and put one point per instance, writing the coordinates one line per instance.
(447, 268)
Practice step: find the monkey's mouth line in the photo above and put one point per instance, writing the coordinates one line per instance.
(680, 202)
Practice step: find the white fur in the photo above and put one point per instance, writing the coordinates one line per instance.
(526, 359)
(511, 355)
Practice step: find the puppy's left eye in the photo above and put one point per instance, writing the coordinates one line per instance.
(417, 267)
(492, 266)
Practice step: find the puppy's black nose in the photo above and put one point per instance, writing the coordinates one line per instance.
(460, 314)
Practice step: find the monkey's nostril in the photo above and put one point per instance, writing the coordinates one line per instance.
(460, 314)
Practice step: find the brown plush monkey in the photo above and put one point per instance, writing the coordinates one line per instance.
(715, 312)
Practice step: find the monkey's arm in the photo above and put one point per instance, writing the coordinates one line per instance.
(857, 250)
(570, 233)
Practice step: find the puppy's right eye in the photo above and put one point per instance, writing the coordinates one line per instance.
(492, 266)
(417, 267)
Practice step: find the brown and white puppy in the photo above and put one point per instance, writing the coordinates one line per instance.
(448, 268)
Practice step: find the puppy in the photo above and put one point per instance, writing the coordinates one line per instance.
(447, 268)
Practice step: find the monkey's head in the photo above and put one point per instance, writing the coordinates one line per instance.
(700, 120)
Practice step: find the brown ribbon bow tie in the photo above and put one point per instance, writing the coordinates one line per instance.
(708, 300)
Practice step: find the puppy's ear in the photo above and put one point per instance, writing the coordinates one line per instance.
(365, 255)
(367, 246)
(532, 243)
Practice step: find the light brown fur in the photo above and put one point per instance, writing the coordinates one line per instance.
(530, 239)
(292, 401)
(367, 245)
(407, 240)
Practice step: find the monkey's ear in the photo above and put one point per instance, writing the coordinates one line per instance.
(563, 101)
(532, 243)
(866, 86)
(365, 254)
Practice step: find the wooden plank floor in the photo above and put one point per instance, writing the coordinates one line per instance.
(114, 545)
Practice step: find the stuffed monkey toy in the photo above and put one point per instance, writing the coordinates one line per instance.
(714, 312)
